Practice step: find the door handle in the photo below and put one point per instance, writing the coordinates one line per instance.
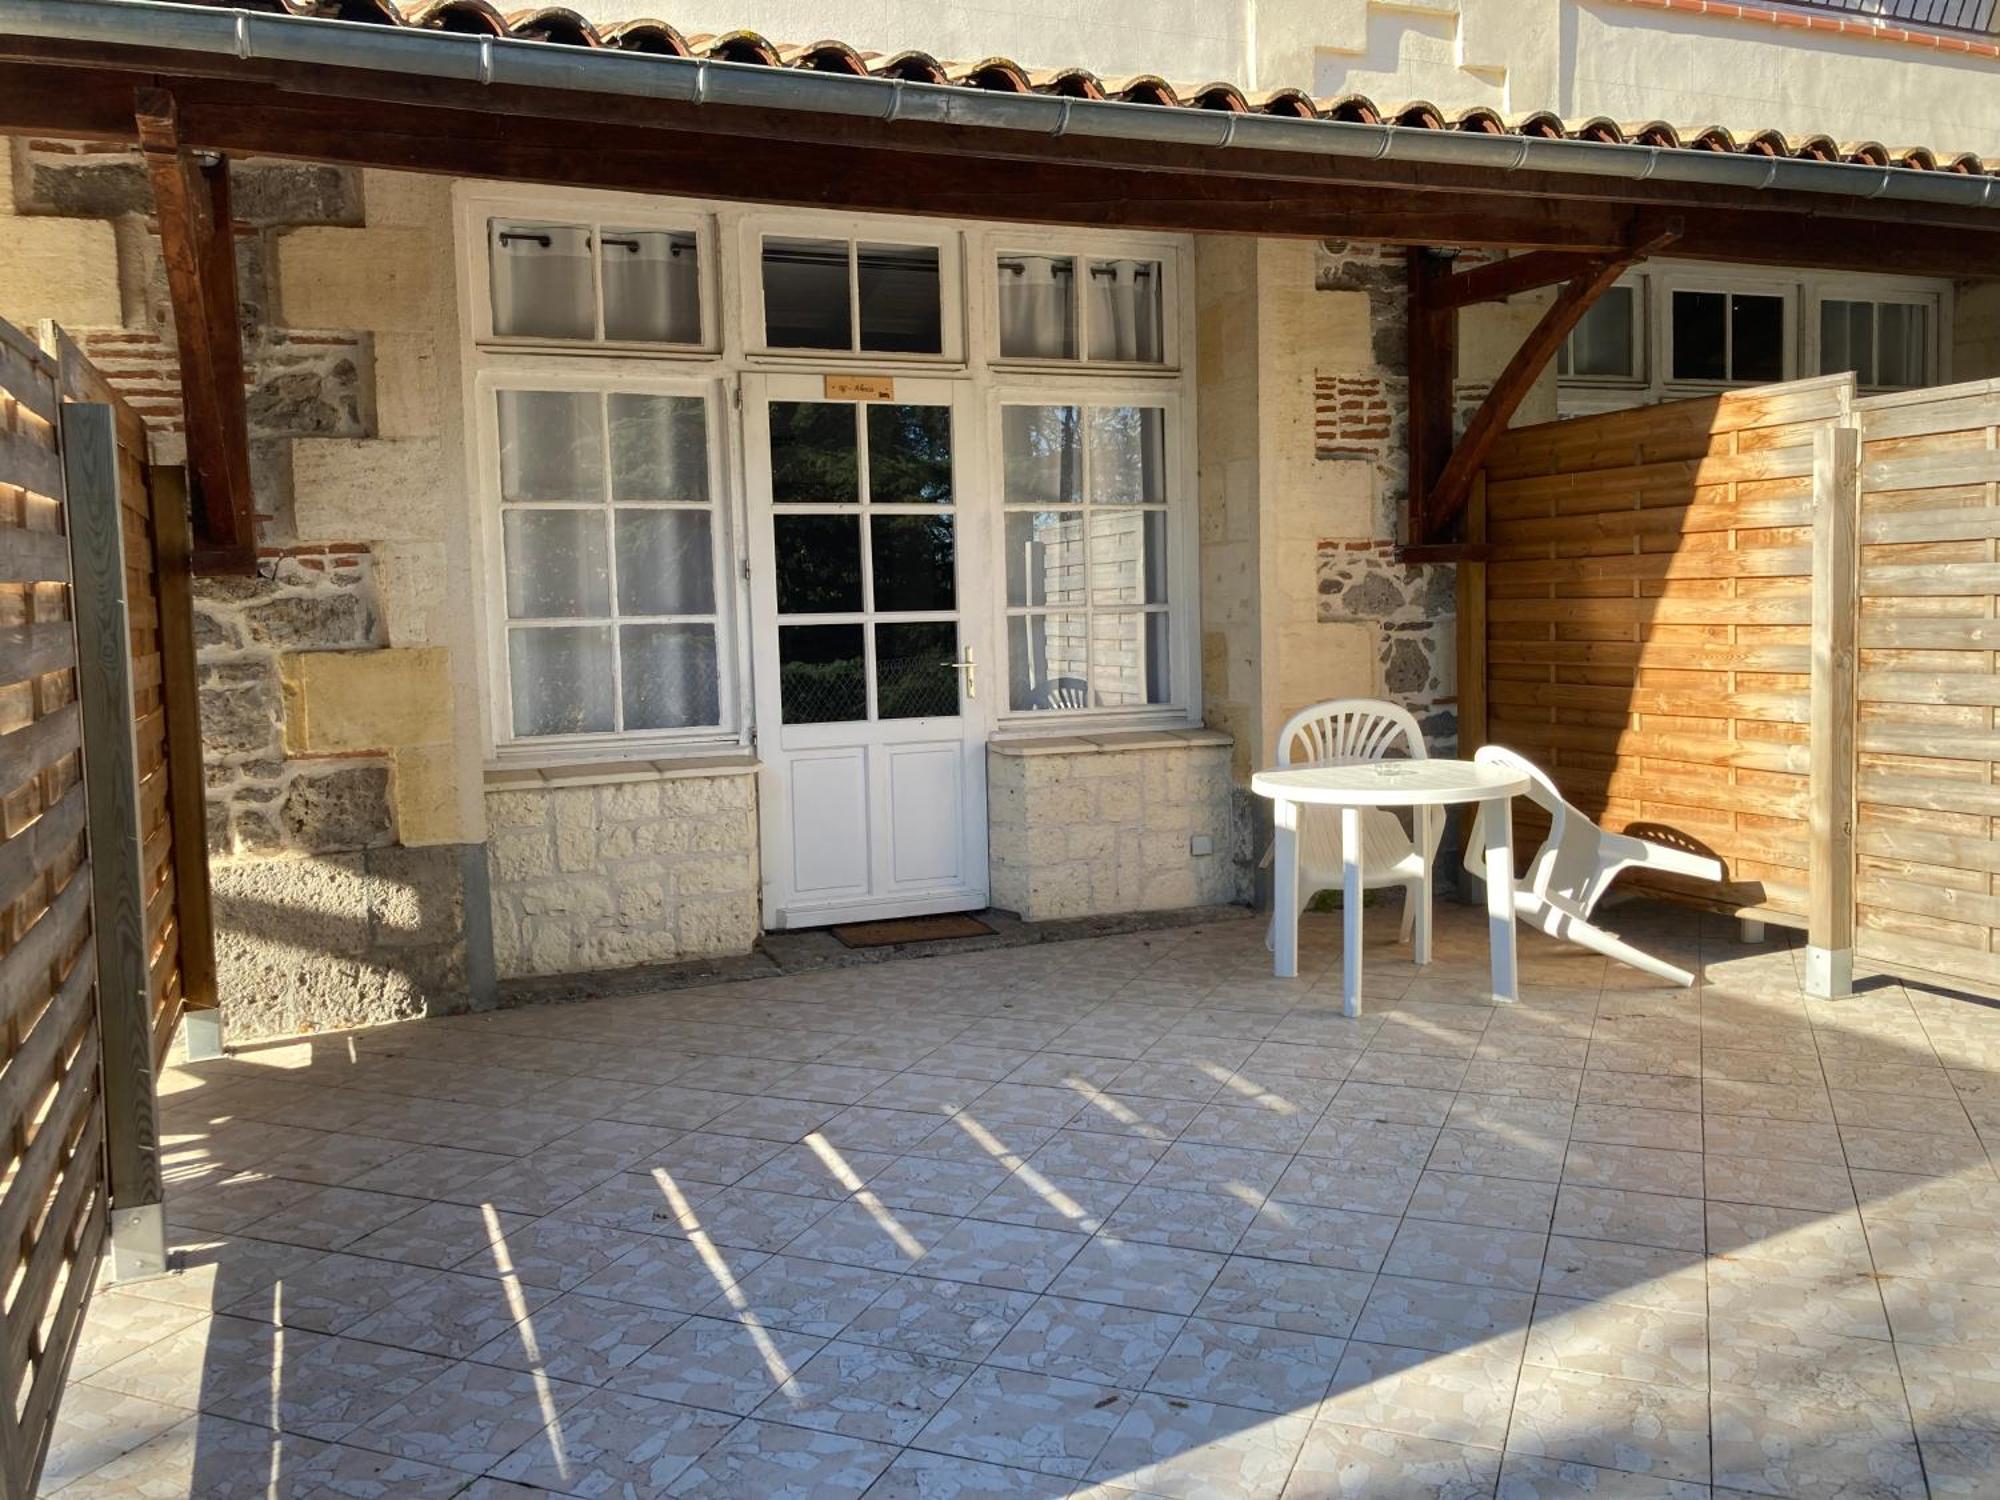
(970, 668)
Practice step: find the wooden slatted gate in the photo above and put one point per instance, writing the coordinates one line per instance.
(97, 956)
(1765, 624)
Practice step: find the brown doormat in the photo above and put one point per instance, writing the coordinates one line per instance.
(910, 930)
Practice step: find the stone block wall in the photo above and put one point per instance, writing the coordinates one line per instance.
(621, 868)
(345, 842)
(1098, 824)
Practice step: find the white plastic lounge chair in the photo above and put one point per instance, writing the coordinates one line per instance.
(1360, 729)
(1575, 865)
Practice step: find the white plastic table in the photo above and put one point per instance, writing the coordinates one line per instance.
(1422, 785)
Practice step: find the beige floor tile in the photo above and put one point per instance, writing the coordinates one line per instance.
(1465, 1397)
(1595, 1419)
(777, 1462)
(1028, 1420)
(1772, 1443)
(1196, 1450)
(1237, 1364)
(865, 1391)
(1609, 1338)
(612, 1443)
(1096, 1341)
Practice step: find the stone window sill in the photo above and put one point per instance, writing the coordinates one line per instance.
(1110, 742)
(619, 772)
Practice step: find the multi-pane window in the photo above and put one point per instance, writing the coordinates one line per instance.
(1103, 309)
(852, 295)
(609, 539)
(864, 548)
(1731, 336)
(1886, 344)
(594, 283)
(1087, 492)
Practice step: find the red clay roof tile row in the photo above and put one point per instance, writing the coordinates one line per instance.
(560, 26)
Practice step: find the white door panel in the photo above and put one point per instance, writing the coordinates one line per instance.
(867, 629)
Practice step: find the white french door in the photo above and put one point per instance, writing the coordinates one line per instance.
(873, 677)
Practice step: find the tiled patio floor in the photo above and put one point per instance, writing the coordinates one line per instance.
(1115, 1218)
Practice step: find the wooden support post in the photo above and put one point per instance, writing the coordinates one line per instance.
(1471, 584)
(1432, 344)
(187, 811)
(111, 784)
(1836, 603)
(191, 203)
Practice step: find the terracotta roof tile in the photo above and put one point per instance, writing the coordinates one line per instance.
(561, 26)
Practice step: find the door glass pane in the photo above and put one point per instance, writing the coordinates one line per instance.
(561, 679)
(1127, 556)
(821, 676)
(914, 561)
(551, 445)
(556, 565)
(815, 455)
(1847, 339)
(1048, 662)
(909, 454)
(1040, 455)
(1125, 311)
(805, 294)
(1700, 335)
(1756, 338)
(652, 289)
(1037, 306)
(666, 563)
(659, 448)
(1128, 659)
(541, 281)
(916, 675)
(899, 291)
(1128, 450)
(819, 563)
(1602, 343)
(671, 681)
(1045, 557)
(1906, 354)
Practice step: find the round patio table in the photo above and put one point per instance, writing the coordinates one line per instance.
(1424, 786)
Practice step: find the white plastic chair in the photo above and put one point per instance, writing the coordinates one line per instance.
(1360, 729)
(1574, 866)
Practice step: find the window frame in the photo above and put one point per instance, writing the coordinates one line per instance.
(984, 249)
(1642, 343)
(1878, 291)
(944, 236)
(606, 380)
(595, 211)
(1182, 530)
(1785, 290)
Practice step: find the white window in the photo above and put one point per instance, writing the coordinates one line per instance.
(1090, 486)
(1607, 341)
(602, 507)
(1681, 329)
(607, 281)
(1067, 304)
(883, 293)
(1886, 343)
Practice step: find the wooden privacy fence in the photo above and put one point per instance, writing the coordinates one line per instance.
(1764, 624)
(94, 960)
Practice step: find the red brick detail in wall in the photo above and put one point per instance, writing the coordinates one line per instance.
(1351, 417)
(1799, 20)
(142, 367)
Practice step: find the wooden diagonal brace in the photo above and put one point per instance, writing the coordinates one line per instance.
(191, 203)
(1447, 494)
(1508, 277)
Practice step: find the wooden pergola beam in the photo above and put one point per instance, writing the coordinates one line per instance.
(1444, 497)
(1498, 280)
(191, 204)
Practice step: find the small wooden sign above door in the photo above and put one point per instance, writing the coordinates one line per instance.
(860, 388)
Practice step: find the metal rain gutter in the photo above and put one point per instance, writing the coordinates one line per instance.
(526, 64)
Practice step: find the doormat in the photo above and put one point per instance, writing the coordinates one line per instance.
(910, 930)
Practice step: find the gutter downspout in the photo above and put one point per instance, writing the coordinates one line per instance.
(485, 60)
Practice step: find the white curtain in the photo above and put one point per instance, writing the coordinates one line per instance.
(1125, 310)
(1037, 307)
(541, 281)
(651, 287)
